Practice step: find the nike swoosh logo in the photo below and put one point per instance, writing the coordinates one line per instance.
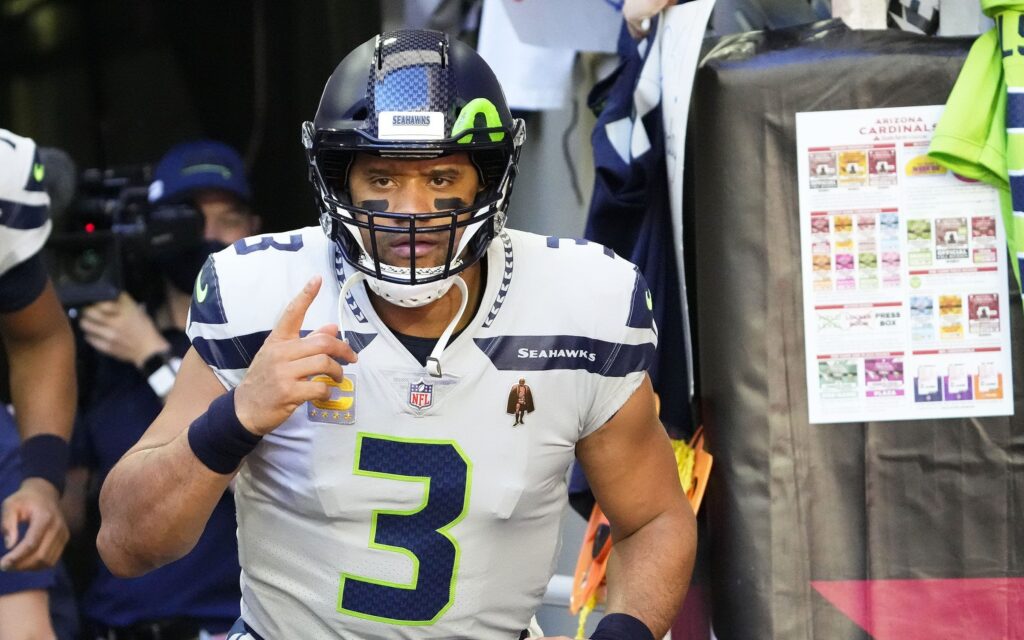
(650, 301)
(201, 289)
(38, 171)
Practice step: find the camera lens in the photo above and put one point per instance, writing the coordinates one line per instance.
(86, 266)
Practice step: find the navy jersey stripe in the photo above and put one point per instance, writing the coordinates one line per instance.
(1017, 191)
(230, 353)
(641, 314)
(359, 341)
(238, 352)
(1014, 110)
(18, 215)
(207, 304)
(546, 353)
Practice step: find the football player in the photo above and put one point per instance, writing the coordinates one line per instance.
(353, 379)
(41, 363)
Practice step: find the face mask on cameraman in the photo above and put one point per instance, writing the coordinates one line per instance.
(182, 268)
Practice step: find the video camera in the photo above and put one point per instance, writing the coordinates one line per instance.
(107, 239)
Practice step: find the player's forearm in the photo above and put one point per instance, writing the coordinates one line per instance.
(649, 571)
(42, 374)
(154, 506)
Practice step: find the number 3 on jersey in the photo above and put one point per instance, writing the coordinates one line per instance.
(420, 534)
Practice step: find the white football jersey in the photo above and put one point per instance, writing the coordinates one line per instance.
(24, 205)
(410, 506)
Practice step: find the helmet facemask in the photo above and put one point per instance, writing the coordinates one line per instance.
(465, 230)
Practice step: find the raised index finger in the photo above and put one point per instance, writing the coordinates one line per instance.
(290, 322)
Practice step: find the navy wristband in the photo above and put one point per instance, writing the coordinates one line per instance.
(621, 626)
(46, 456)
(218, 439)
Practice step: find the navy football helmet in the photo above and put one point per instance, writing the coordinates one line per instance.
(412, 94)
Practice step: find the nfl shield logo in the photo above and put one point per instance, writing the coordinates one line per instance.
(421, 394)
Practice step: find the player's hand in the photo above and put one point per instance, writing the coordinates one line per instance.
(278, 380)
(34, 503)
(121, 329)
(638, 13)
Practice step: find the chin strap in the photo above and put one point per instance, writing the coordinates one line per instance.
(434, 359)
(433, 365)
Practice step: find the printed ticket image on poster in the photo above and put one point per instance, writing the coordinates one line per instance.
(922, 318)
(983, 311)
(958, 382)
(824, 174)
(867, 267)
(866, 227)
(883, 376)
(951, 317)
(842, 227)
(889, 227)
(951, 239)
(838, 378)
(983, 239)
(853, 167)
(890, 268)
(882, 166)
(927, 385)
(904, 273)
(919, 242)
(988, 385)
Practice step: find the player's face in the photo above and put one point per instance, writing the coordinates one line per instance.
(413, 186)
(226, 220)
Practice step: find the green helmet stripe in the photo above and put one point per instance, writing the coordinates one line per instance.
(467, 118)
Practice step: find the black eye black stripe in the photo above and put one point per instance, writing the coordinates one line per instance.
(442, 204)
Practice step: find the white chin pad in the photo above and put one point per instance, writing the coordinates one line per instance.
(410, 295)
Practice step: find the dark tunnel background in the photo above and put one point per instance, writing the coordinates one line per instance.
(117, 82)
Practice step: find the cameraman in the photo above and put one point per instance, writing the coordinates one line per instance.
(210, 176)
(41, 354)
(199, 594)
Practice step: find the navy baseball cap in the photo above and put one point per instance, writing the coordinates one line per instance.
(200, 164)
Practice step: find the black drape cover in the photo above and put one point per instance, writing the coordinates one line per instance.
(793, 505)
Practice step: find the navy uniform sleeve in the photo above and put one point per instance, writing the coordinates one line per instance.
(22, 284)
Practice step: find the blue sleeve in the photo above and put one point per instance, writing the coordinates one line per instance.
(22, 284)
(10, 481)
